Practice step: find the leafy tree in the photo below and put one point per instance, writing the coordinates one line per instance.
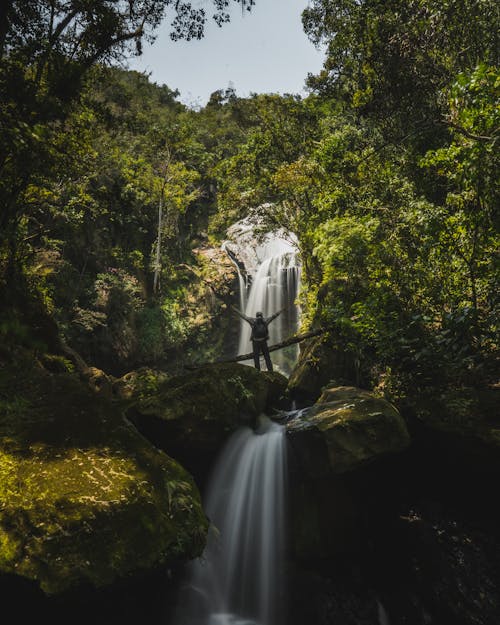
(46, 49)
(391, 59)
(280, 130)
(469, 165)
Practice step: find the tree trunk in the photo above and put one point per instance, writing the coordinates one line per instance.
(291, 340)
(156, 278)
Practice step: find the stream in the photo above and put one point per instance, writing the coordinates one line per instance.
(239, 580)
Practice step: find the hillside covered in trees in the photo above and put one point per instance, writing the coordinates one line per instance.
(115, 199)
(387, 174)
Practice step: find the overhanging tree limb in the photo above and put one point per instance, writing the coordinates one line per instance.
(291, 340)
(165, 180)
(471, 135)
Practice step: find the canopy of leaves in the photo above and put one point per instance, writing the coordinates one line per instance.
(387, 173)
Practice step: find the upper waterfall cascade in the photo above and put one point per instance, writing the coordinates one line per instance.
(269, 277)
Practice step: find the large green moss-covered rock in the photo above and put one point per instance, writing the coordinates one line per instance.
(347, 428)
(84, 498)
(190, 416)
(139, 383)
(332, 444)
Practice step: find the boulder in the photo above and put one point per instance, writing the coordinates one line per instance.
(85, 500)
(190, 416)
(99, 382)
(347, 428)
(332, 491)
(139, 383)
(321, 363)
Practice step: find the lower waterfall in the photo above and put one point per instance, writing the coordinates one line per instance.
(239, 580)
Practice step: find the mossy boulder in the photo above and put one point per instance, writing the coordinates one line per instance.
(347, 428)
(339, 448)
(140, 383)
(84, 498)
(321, 363)
(190, 416)
(99, 382)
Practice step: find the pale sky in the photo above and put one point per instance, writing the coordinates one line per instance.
(264, 51)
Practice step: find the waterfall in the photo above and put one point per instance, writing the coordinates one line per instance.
(383, 617)
(275, 287)
(239, 579)
(272, 283)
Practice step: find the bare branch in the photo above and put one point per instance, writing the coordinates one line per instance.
(470, 135)
(291, 340)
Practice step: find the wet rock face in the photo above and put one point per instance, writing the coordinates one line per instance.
(455, 565)
(241, 245)
(341, 598)
(353, 428)
(85, 500)
(419, 565)
(439, 560)
(425, 565)
(249, 243)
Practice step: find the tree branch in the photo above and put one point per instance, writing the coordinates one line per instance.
(54, 35)
(470, 135)
(137, 33)
(291, 340)
(5, 9)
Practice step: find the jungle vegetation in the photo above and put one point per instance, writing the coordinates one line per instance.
(387, 172)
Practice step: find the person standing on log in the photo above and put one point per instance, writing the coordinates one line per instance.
(260, 336)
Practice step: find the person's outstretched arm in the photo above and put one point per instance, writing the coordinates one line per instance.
(269, 319)
(242, 315)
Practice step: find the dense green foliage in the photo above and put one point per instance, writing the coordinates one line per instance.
(387, 173)
(87, 154)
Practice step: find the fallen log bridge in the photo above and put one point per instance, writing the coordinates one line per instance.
(291, 340)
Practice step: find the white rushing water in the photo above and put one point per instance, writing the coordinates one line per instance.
(275, 286)
(239, 578)
(383, 617)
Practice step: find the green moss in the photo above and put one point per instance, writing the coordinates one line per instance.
(83, 497)
(57, 364)
(140, 383)
(216, 392)
(356, 426)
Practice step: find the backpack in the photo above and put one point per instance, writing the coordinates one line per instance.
(259, 330)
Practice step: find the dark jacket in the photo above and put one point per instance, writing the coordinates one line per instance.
(260, 331)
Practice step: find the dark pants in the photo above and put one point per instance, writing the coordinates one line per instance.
(258, 348)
